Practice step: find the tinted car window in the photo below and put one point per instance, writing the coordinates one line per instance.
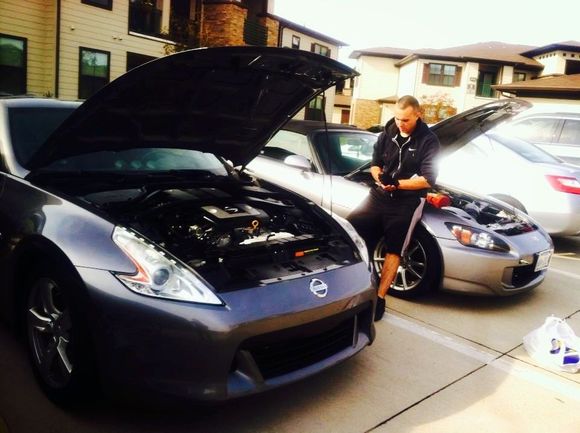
(570, 132)
(30, 127)
(344, 151)
(526, 150)
(286, 143)
(536, 130)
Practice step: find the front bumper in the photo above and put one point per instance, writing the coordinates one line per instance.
(262, 338)
(476, 271)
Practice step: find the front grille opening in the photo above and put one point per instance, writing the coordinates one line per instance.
(523, 275)
(281, 357)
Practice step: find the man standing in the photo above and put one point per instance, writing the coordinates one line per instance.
(403, 167)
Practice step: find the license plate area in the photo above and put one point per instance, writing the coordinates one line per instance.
(543, 260)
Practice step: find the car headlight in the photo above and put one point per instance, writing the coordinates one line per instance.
(159, 275)
(472, 237)
(356, 238)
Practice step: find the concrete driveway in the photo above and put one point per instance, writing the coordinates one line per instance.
(445, 363)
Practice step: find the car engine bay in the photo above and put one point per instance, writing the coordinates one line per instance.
(233, 236)
(483, 212)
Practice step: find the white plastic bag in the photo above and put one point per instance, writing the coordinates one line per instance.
(554, 344)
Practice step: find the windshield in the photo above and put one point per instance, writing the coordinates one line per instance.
(148, 160)
(344, 151)
(31, 126)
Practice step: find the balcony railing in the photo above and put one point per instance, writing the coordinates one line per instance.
(255, 33)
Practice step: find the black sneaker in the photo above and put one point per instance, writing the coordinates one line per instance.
(380, 309)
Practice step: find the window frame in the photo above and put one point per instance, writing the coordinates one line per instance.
(427, 75)
(24, 72)
(296, 42)
(80, 75)
(97, 4)
(521, 74)
(317, 48)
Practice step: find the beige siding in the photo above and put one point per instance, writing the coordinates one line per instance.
(306, 42)
(379, 78)
(33, 20)
(92, 27)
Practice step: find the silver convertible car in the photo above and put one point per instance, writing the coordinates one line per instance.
(136, 257)
(465, 243)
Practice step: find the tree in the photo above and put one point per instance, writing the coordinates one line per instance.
(184, 33)
(437, 107)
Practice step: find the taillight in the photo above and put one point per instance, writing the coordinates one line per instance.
(564, 183)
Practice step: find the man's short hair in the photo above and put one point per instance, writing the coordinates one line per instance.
(409, 101)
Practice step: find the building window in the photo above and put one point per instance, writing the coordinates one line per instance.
(134, 60)
(12, 65)
(438, 74)
(295, 42)
(572, 67)
(320, 49)
(315, 109)
(105, 4)
(442, 75)
(94, 71)
(145, 17)
(519, 76)
(486, 78)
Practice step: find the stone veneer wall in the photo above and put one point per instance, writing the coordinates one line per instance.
(223, 24)
(273, 27)
(366, 113)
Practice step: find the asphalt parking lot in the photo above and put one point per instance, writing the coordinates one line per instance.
(445, 363)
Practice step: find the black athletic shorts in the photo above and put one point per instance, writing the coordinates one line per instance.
(394, 217)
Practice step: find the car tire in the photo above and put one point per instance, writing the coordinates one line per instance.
(420, 268)
(57, 338)
(511, 201)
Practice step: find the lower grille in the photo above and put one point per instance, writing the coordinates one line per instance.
(281, 357)
(522, 275)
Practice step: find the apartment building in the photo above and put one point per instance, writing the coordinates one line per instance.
(71, 48)
(450, 80)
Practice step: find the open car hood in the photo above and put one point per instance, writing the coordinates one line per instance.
(228, 101)
(458, 130)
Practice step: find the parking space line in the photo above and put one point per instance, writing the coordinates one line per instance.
(503, 362)
(547, 381)
(565, 273)
(441, 339)
(566, 256)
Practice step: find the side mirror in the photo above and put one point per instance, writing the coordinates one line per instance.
(298, 161)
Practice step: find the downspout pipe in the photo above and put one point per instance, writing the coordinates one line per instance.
(280, 31)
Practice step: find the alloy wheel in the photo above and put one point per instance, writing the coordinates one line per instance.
(412, 268)
(49, 330)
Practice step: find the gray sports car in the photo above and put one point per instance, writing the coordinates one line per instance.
(465, 243)
(133, 254)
